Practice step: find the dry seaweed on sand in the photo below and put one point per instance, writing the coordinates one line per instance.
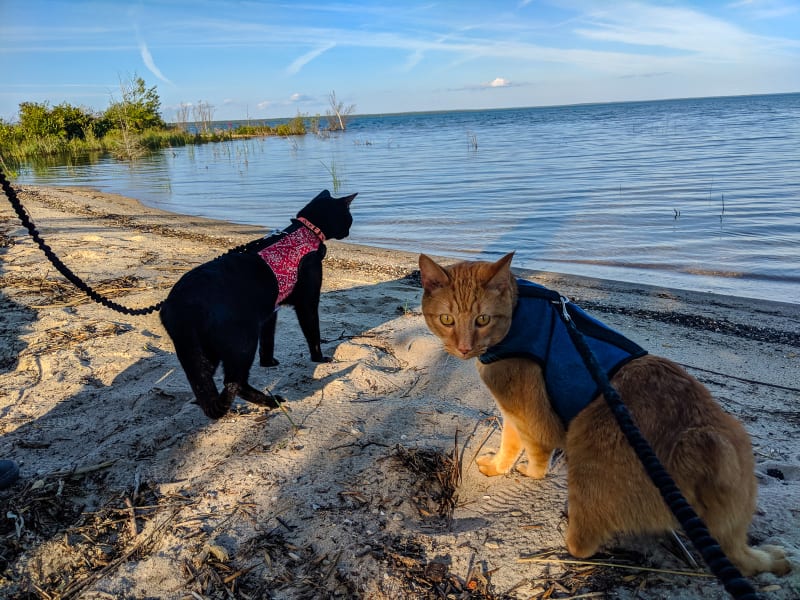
(80, 546)
(422, 578)
(438, 477)
(60, 293)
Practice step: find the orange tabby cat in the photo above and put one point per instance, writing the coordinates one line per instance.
(469, 306)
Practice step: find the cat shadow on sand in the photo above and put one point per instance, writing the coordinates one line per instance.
(13, 317)
(153, 405)
(142, 430)
(143, 425)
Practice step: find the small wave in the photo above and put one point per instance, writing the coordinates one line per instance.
(688, 270)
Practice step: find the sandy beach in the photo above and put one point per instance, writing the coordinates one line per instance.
(366, 486)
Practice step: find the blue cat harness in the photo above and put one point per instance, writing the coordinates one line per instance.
(539, 333)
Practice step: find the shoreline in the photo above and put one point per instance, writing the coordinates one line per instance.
(94, 404)
(153, 220)
(756, 286)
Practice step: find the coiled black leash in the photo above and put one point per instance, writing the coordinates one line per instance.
(736, 585)
(11, 194)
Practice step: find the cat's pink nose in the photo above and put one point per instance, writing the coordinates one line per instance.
(464, 349)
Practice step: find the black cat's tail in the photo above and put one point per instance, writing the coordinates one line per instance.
(199, 367)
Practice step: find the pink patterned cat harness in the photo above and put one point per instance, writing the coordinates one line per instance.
(284, 256)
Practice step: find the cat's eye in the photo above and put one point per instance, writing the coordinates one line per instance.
(447, 319)
(482, 320)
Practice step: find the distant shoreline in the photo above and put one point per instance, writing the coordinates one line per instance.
(505, 108)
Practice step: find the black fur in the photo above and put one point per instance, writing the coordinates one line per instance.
(222, 310)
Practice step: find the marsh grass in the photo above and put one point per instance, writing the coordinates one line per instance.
(472, 141)
(335, 175)
(127, 145)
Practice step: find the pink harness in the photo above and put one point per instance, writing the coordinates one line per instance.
(284, 256)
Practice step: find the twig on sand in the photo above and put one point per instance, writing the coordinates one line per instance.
(562, 561)
(81, 470)
(74, 589)
(275, 399)
(495, 427)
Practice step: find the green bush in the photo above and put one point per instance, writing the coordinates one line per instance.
(127, 128)
(73, 122)
(36, 120)
(138, 110)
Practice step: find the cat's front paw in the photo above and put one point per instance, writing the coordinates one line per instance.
(269, 362)
(487, 464)
(321, 359)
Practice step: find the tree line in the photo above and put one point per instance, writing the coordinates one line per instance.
(132, 125)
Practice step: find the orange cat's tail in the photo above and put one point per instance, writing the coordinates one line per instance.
(724, 491)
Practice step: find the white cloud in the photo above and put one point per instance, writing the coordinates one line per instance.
(298, 97)
(264, 104)
(150, 64)
(498, 82)
(302, 61)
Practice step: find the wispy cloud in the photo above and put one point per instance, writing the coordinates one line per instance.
(306, 58)
(667, 27)
(147, 58)
(413, 59)
(766, 9)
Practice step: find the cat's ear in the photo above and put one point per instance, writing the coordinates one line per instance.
(433, 276)
(323, 195)
(349, 199)
(500, 273)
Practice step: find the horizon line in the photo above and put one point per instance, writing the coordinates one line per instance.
(566, 105)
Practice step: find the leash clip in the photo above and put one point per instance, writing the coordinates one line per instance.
(563, 301)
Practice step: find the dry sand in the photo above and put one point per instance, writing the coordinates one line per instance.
(366, 487)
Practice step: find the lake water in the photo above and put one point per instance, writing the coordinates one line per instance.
(699, 194)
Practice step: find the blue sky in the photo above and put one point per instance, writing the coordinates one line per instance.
(275, 59)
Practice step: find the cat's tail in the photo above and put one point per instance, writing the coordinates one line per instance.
(198, 367)
(724, 492)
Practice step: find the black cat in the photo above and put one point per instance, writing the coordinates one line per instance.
(221, 310)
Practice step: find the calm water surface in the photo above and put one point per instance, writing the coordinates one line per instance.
(699, 194)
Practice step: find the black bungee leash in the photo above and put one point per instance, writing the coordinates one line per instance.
(11, 194)
(22, 214)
